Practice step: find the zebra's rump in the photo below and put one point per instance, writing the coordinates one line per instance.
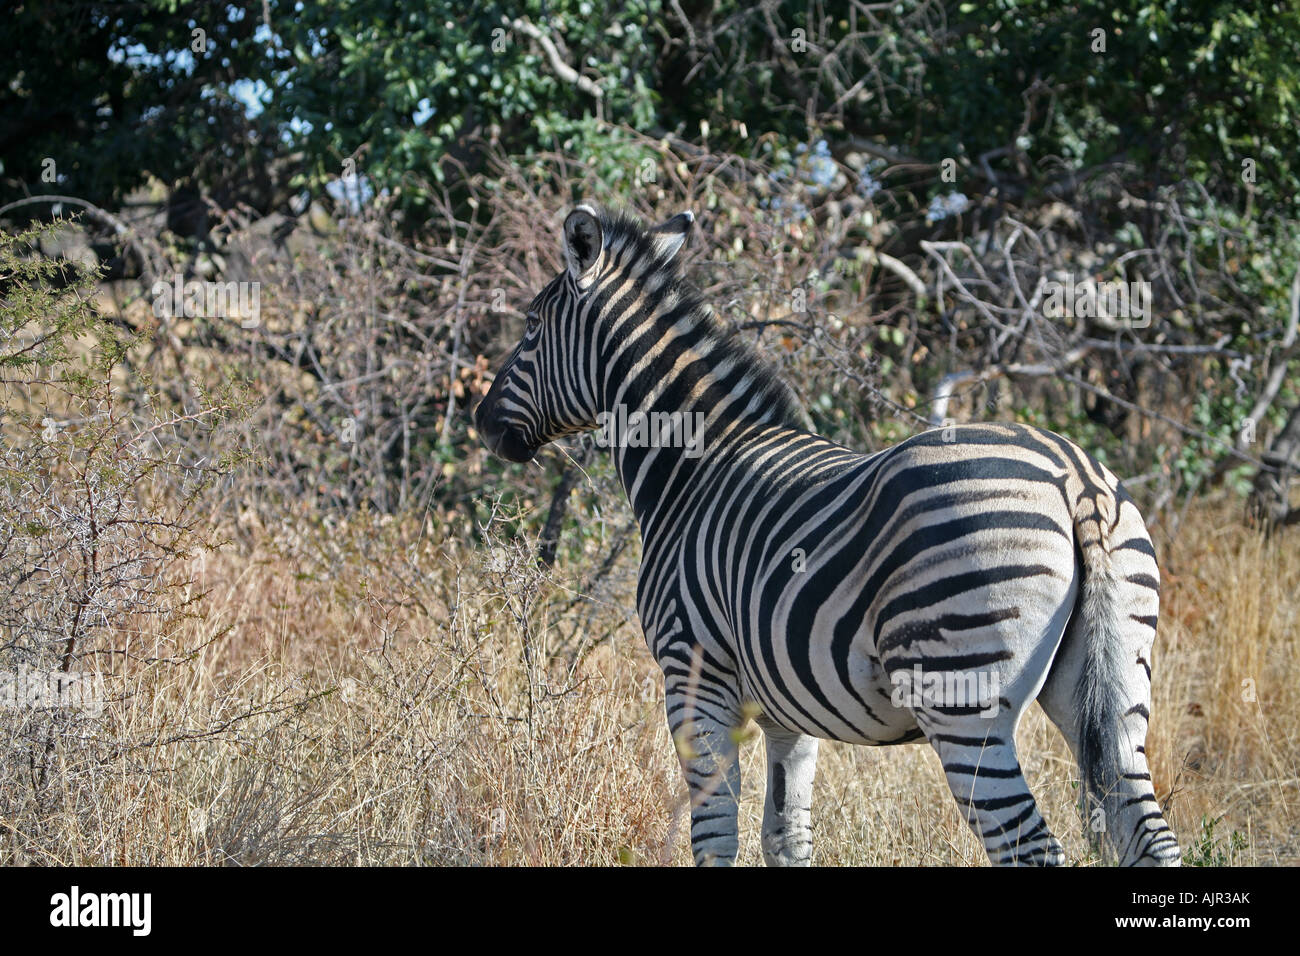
(946, 565)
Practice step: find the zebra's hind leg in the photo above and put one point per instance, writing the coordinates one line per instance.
(787, 805)
(979, 759)
(1098, 691)
(1127, 811)
(706, 738)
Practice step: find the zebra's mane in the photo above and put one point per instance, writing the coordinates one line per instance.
(627, 236)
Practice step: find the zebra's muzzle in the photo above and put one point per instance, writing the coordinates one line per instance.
(500, 439)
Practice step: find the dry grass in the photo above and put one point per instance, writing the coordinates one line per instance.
(375, 692)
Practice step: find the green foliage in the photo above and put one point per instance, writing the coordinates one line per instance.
(401, 87)
(621, 165)
(1211, 850)
(86, 446)
(44, 310)
(101, 95)
(1178, 91)
(116, 94)
(276, 96)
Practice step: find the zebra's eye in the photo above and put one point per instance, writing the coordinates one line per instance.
(533, 322)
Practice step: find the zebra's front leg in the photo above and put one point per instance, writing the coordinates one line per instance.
(706, 740)
(787, 807)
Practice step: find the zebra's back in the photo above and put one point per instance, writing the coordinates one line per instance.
(823, 574)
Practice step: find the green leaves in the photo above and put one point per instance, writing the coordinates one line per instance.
(467, 71)
(1176, 93)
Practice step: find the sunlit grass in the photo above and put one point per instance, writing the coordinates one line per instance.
(375, 692)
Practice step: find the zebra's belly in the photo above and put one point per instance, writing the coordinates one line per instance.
(856, 704)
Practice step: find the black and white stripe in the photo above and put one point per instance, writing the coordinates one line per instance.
(786, 575)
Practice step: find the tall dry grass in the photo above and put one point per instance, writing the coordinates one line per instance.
(375, 692)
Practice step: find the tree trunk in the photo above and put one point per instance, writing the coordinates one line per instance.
(1270, 500)
(550, 539)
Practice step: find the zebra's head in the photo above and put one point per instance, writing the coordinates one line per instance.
(549, 387)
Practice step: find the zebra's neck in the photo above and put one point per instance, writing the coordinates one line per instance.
(678, 396)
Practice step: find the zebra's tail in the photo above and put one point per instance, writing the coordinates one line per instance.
(1099, 690)
(1116, 622)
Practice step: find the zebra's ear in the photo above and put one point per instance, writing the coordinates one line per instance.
(583, 241)
(669, 236)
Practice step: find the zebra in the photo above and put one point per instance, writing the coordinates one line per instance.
(794, 581)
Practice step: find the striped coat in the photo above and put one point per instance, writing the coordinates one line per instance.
(928, 592)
